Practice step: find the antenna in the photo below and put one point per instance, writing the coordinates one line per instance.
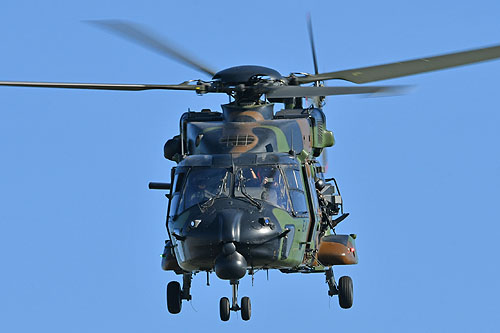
(292, 151)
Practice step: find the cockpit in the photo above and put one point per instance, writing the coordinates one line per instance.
(280, 186)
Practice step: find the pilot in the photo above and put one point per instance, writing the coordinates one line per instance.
(270, 192)
(251, 178)
(199, 191)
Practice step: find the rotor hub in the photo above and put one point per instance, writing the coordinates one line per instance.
(246, 74)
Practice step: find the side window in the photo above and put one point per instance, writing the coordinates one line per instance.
(176, 193)
(296, 190)
(298, 202)
(178, 181)
(294, 179)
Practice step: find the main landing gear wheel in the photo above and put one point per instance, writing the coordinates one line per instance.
(345, 292)
(224, 309)
(174, 297)
(246, 308)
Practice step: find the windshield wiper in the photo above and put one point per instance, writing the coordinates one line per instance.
(222, 188)
(241, 185)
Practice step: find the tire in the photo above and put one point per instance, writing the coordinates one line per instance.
(246, 308)
(174, 300)
(224, 309)
(345, 292)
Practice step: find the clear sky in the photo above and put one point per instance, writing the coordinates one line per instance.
(81, 236)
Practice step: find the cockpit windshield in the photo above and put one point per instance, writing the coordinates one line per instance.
(280, 186)
(204, 184)
(264, 183)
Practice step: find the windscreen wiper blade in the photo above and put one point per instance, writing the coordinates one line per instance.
(241, 185)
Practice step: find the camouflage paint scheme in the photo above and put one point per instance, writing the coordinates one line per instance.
(252, 136)
(219, 226)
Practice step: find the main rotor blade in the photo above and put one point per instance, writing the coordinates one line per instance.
(410, 67)
(103, 86)
(324, 159)
(311, 39)
(148, 39)
(298, 91)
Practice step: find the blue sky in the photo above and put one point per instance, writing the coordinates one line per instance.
(420, 174)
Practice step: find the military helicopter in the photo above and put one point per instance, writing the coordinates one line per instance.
(248, 192)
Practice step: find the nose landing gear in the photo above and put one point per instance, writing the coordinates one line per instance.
(225, 308)
(176, 294)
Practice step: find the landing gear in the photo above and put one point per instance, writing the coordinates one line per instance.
(246, 307)
(225, 311)
(343, 288)
(345, 292)
(332, 285)
(175, 294)
(174, 298)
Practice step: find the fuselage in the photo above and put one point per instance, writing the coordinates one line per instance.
(259, 208)
(243, 193)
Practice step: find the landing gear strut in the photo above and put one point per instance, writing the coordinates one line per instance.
(343, 288)
(332, 285)
(225, 308)
(175, 294)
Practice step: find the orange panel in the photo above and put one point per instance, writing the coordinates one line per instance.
(335, 253)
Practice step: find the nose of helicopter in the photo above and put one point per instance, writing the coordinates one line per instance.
(230, 264)
(229, 222)
(231, 240)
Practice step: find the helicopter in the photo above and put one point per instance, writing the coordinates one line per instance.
(248, 192)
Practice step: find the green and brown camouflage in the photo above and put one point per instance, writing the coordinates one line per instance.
(250, 137)
(252, 129)
(247, 192)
